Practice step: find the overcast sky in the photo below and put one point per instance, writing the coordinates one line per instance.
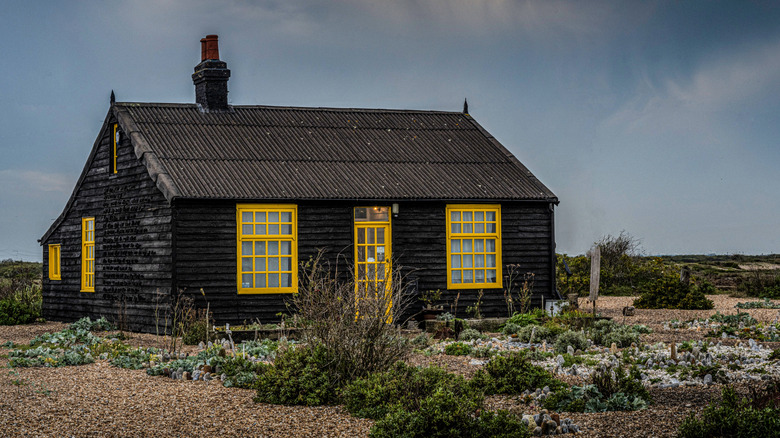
(658, 118)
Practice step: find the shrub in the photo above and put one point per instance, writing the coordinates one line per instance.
(670, 293)
(511, 328)
(375, 395)
(99, 325)
(610, 390)
(354, 346)
(606, 332)
(513, 374)
(457, 349)
(421, 341)
(470, 334)
(547, 332)
(21, 306)
(576, 339)
(299, 376)
(524, 319)
(734, 417)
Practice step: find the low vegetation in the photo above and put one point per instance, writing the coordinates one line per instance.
(20, 292)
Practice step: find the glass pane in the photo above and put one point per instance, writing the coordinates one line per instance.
(490, 245)
(286, 264)
(273, 264)
(286, 280)
(456, 276)
(479, 261)
(287, 229)
(455, 261)
(371, 253)
(378, 214)
(361, 214)
(246, 264)
(361, 232)
(260, 229)
(286, 216)
(479, 245)
(467, 217)
(455, 245)
(246, 248)
(468, 276)
(491, 276)
(491, 216)
(259, 264)
(246, 280)
(246, 216)
(380, 273)
(371, 271)
(468, 261)
(361, 253)
(479, 228)
(491, 227)
(273, 229)
(273, 280)
(260, 216)
(361, 271)
(480, 275)
(380, 235)
(455, 216)
(260, 280)
(273, 248)
(479, 216)
(246, 229)
(466, 245)
(468, 228)
(286, 248)
(491, 260)
(456, 228)
(273, 216)
(380, 253)
(370, 235)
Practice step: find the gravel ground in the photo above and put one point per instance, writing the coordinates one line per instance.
(99, 400)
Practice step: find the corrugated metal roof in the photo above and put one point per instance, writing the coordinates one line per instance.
(261, 152)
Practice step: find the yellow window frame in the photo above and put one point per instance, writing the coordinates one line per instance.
(55, 270)
(115, 148)
(88, 254)
(266, 250)
(388, 248)
(466, 229)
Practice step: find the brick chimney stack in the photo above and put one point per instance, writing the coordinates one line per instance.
(211, 77)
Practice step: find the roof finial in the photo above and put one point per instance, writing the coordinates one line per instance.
(113, 98)
(465, 106)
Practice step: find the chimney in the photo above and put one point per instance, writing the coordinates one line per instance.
(210, 77)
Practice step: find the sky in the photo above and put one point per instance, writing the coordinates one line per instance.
(660, 118)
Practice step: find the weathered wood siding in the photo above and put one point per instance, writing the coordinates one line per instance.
(132, 243)
(205, 252)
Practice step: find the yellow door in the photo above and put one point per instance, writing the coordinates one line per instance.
(372, 249)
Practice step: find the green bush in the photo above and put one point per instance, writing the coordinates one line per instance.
(457, 349)
(606, 332)
(299, 376)
(99, 325)
(446, 414)
(524, 319)
(195, 332)
(576, 339)
(470, 334)
(547, 332)
(22, 306)
(375, 395)
(609, 391)
(732, 417)
(513, 374)
(511, 328)
(670, 293)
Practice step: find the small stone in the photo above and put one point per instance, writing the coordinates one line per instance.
(613, 348)
(570, 350)
(187, 375)
(207, 376)
(538, 431)
(707, 379)
(555, 417)
(207, 368)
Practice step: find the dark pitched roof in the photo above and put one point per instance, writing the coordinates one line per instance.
(262, 152)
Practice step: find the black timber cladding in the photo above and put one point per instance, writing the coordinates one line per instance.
(261, 152)
(205, 247)
(133, 229)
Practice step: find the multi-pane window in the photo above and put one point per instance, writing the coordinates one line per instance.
(88, 254)
(267, 248)
(115, 142)
(372, 248)
(473, 246)
(54, 262)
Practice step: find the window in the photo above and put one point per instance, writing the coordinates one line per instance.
(88, 254)
(267, 248)
(54, 262)
(115, 142)
(473, 246)
(373, 249)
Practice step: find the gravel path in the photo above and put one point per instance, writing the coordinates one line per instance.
(98, 400)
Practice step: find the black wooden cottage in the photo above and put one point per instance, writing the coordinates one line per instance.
(231, 198)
